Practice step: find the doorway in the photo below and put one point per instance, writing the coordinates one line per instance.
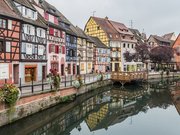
(62, 69)
(16, 73)
(44, 72)
(74, 69)
(116, 67)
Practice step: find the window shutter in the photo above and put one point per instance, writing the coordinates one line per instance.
(63, 49)
(57, 49)
(51, 31)
(50, 46)
(46, 15)
(55, 20)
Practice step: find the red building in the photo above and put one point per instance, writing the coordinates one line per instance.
(9, 44)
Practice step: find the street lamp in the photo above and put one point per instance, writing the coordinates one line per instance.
(79, 58)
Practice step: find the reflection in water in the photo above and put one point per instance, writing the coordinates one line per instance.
(100, 109)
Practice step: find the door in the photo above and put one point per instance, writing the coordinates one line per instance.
(16, 73)
(78, 70)
(116, 67)
(62, 69)
(43, 72)
(74, 69)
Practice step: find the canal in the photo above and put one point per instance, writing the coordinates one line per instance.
(146, 109)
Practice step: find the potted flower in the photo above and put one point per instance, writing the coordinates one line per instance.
(54, 78)
(9, 93)
(78, 82)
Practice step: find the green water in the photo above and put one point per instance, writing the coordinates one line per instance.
(147, 109)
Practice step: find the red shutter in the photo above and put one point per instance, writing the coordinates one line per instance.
(50, 50)
(55, 20)
(51, 31)
(63, 50)
(46, 16)
(57, 49)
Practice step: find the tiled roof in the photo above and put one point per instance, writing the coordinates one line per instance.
(49, 8)
(25, 3)
(80, 33)
(98, 42)
(161, 39)
(168, 36)
(121, 28)
(138, 35)
(112, 28)
(105, 25)
(40, 20)
(6, 10)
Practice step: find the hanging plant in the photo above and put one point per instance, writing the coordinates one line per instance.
(54, 78)
(100, 77)
(9, 93)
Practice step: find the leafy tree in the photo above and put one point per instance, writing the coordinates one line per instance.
(161, 54)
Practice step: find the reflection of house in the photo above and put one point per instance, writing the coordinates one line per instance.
(122, 105)
(176, 99)
(116, 36)
(9, 43)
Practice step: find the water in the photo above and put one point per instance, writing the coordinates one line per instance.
(135, 110)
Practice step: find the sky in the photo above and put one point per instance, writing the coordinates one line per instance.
(157, 17)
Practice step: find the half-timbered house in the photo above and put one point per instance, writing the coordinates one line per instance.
(116, 36)
(101, 56)
(55, 36)
(9, 43)
(33, 42)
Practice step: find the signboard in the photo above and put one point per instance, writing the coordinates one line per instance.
(4, 71)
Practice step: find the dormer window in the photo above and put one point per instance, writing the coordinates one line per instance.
(26, 12)
(2, 23)
(98, 28)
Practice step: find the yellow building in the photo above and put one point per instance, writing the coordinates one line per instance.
(116, 36)
(95, 118)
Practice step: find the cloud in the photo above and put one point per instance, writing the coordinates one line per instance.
(154, 16)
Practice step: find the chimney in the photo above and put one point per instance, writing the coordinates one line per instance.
(106, 18)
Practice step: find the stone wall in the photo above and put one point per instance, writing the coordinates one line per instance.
(29, 105)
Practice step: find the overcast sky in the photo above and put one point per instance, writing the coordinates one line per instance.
(154, 16)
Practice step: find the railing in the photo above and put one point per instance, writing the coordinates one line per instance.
(128, 76)
(66, 81)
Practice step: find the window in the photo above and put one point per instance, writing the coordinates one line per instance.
(2, 23)
(51, 31)
(128, 45)
(124, 45)
(46, 16)
(9, 24)
(87, 30)
(1, 46)
(8, 47)
(98, 28)
(51, 48)
(132, 46)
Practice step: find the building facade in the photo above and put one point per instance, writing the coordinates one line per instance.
(33, 43)
(116, 36)
(55, 37)
(101, 56)
(10, 24)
